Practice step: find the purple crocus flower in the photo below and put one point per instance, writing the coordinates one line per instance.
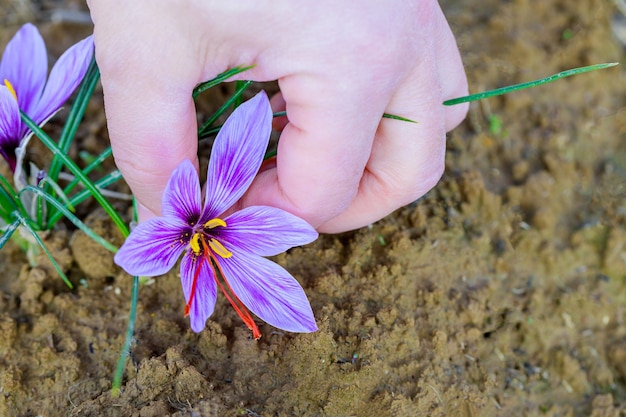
(226, 252)
(23, 74)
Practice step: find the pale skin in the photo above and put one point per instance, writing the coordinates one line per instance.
(340, 65)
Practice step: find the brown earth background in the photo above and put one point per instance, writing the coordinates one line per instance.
(500, 293)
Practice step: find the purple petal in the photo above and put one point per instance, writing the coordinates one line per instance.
(10, 125)
(153, 247)
(182, 197)
(265, 231)
(203, 302)
(269, 291)
(237, 154)
(25, 64)
(65, 76)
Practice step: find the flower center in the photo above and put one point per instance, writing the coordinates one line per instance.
(205, 248)
(213, 243)
(10, 87)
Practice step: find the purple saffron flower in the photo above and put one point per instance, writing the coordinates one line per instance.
(23, 74)
(226, 252)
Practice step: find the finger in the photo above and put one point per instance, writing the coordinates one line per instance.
(322, 151)
(450, 71)
(407, 159)
(149, 137)
(151, 120)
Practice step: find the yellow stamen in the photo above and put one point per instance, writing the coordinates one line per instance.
(219, 249)
(195, 244)
(11, 89)
(213, 223)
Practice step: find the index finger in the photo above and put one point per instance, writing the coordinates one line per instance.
(151, 120)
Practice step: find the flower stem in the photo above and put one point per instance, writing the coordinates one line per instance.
(130, 331)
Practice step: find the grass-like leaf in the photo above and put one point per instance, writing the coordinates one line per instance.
(83, 195)
(394, 117)
(239, 85)
(26, 224)
(128, 340)
(74, 169)
(230, 102)
(8, 200)
(202, 87)
(95, 163)
(70, 216)
(59, 192)
(270, 154)
(515, 87)
(75, 116)
(8, 232)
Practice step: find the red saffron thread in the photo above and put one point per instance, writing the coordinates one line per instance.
(239, 307)
(193, 286)
(234, 301)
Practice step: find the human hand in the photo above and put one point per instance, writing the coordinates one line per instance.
(340, 65)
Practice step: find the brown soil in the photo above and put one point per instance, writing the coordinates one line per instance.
(501, 293)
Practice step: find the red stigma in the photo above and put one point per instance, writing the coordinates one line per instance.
(239, 307)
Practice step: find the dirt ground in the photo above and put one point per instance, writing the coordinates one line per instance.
(500, 293)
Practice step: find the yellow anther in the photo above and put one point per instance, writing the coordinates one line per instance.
(219, 249)
(11, 89)
(195, 244)
(214, 223)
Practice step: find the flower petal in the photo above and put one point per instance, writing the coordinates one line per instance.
(10, 125)
(65, 76)
(153, 247)
(237, 154)
(182, 197)
(269, 291)
(203, 303)
(25, 64)
(265, 231)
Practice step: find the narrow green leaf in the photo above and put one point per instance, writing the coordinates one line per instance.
(202, 87)
(75, 116)
(394, 117)
(70, 216)
(128, 340)
(95, 163)
(130, 329)
(10, 200)
(210, 132)
(230, 102)
(270, 154)
(515, 87)
(6, 185)
(83, 96)
(7, 201)
(240, 85)
(83, 195)
(74, 169)
(8, 232)
(59, 192)
(24, 221)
